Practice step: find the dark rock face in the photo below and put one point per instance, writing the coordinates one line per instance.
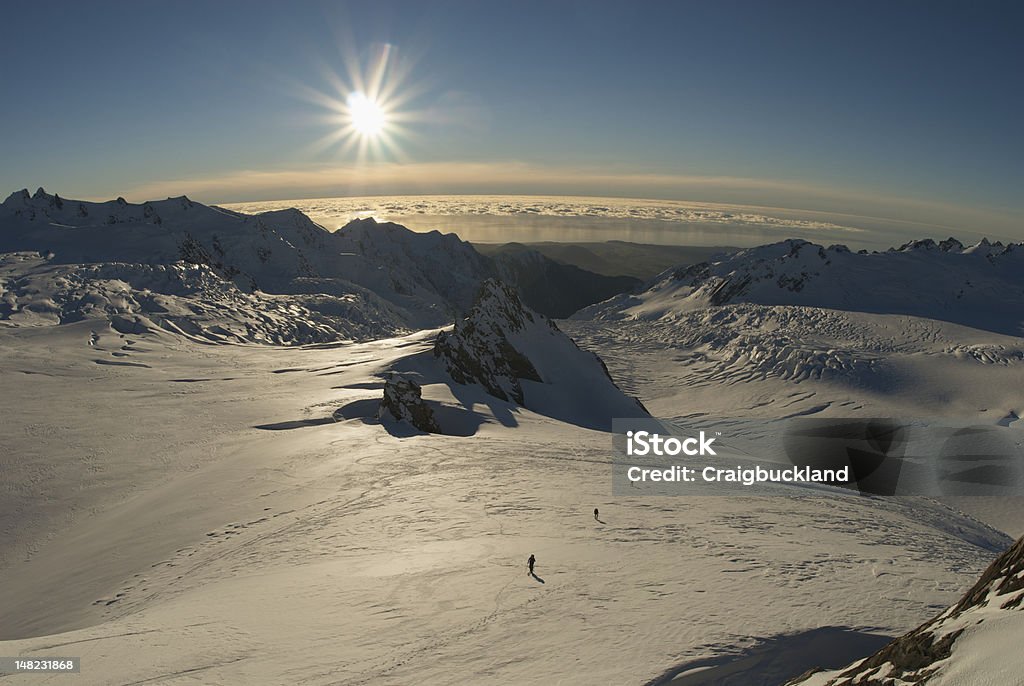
(915, 656)
(1002, 577)
(911, 657)
(477, 350)
(553, 289)
(403, 401)
(951, 245)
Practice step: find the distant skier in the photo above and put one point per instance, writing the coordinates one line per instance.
(596, 514)
(531, 562)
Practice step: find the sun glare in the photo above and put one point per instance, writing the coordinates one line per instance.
(366, 116)
(367, 112)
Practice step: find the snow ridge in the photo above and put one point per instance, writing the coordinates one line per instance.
(478, 350)
(419, 280)
(518, 355)
(977, 286)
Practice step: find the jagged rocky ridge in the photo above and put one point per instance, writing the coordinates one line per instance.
(990, 616)
(980, 286)
(503, 351)
(366, 280)
(477, 350)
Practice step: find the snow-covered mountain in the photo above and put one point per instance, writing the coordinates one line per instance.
(506, 356)
(981, 286)
(416, 262)
(182, 298)
(363, 274)
(976, 641)
(273, 277)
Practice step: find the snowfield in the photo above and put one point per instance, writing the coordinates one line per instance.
(200, 484)
(210, 512)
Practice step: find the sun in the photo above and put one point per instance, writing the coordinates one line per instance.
(366, 116)
(368, 108)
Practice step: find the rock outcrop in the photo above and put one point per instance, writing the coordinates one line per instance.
(403, 402)
(478, 350)
(522, 357)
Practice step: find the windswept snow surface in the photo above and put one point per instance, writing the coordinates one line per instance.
(176, 511)
(931, 329)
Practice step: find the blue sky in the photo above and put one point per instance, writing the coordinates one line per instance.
(899, 109)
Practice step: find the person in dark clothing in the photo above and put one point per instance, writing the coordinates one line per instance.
(531, 562)
(596, 513)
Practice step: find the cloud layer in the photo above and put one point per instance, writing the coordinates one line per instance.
(829, 205)
(337, 211)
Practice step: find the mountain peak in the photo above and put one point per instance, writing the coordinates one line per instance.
(21, 197)
(361, 222)
(520, 356)
(951, 245)
(478, 349)
(498, 306)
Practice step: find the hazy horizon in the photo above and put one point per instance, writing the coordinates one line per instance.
(487, 218)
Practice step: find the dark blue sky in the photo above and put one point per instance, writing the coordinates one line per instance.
(906, 109)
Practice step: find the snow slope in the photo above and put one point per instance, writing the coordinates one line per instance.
(976, 641)
(981, 286)
(238, 515)
(187, 299)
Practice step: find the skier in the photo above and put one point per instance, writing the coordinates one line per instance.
(530, 562)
